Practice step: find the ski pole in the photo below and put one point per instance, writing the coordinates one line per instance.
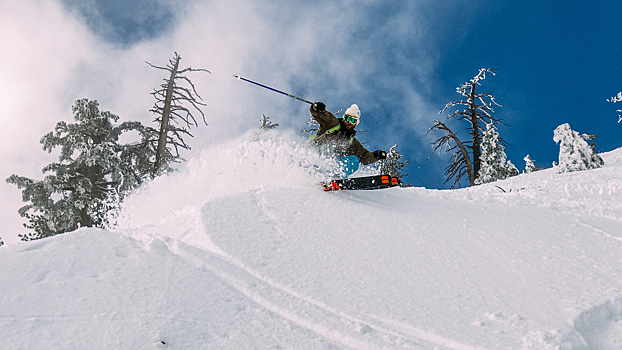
(275, 90)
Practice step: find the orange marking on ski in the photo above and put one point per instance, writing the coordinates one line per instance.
(332, 186)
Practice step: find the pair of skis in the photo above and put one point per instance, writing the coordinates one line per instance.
(362, 183)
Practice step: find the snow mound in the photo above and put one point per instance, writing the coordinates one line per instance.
(258, 158)
(589, 194)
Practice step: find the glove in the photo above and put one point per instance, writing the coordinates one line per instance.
(319, 106)
(380, 154)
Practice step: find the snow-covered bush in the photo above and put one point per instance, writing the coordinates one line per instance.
(494, 164)
(392, 165)
(574, 152)
(530, 165)
(614, 99)
(266, 123)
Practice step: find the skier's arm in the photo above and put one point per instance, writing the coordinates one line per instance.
(324, 117)
(364, 156)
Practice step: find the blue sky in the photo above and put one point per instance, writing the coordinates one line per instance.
(400, 61)
(557, 62)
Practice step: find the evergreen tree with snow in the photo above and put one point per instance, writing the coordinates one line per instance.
(494, 164)
(92, 175)
(575, 154)
(266, 123)
(392, 165)
(512, 170)
(530, 165)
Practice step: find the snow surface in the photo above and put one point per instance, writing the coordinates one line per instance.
(242, 250)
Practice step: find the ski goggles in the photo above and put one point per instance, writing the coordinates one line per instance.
(350, 119)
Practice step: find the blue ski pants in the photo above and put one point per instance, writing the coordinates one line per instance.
(349, 165)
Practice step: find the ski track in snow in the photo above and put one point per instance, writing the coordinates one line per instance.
(354, 331)
(327, 321)
(598, 231)
(407, 331)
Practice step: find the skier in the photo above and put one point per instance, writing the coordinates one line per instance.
(338, 133)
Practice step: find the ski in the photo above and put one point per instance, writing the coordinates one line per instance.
(361, 183)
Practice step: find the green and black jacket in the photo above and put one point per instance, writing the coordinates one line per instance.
(333, 132)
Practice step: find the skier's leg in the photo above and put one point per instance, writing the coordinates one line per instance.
(349, 165)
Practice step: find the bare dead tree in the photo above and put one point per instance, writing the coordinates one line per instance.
(169, 109)
(478, 107)
(460, 164)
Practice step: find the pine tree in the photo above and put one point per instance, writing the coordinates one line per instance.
(141, 155)
(575, 154)
(494, 166)
(392, 165)
(512, 169)
(169, 110)
(92, 175)
(530, 165)
(266, 123)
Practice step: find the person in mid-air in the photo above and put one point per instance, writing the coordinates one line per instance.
(339, 134)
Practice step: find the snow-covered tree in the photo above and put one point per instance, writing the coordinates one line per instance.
(530, 165)
(615, 99)
(92, 175)
(478, 109)
(512, 169)
(392, 165)
(266, 123)
(141, 155)
(169, 110)
(574, 152)
(494, 160)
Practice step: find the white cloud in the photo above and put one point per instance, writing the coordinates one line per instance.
(41, 48)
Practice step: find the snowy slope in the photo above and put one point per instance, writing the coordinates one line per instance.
(241, 250)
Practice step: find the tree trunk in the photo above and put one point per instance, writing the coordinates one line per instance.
(85, 218)
(470, 172)
(166, 112)
(93, 174)
(475, 133)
